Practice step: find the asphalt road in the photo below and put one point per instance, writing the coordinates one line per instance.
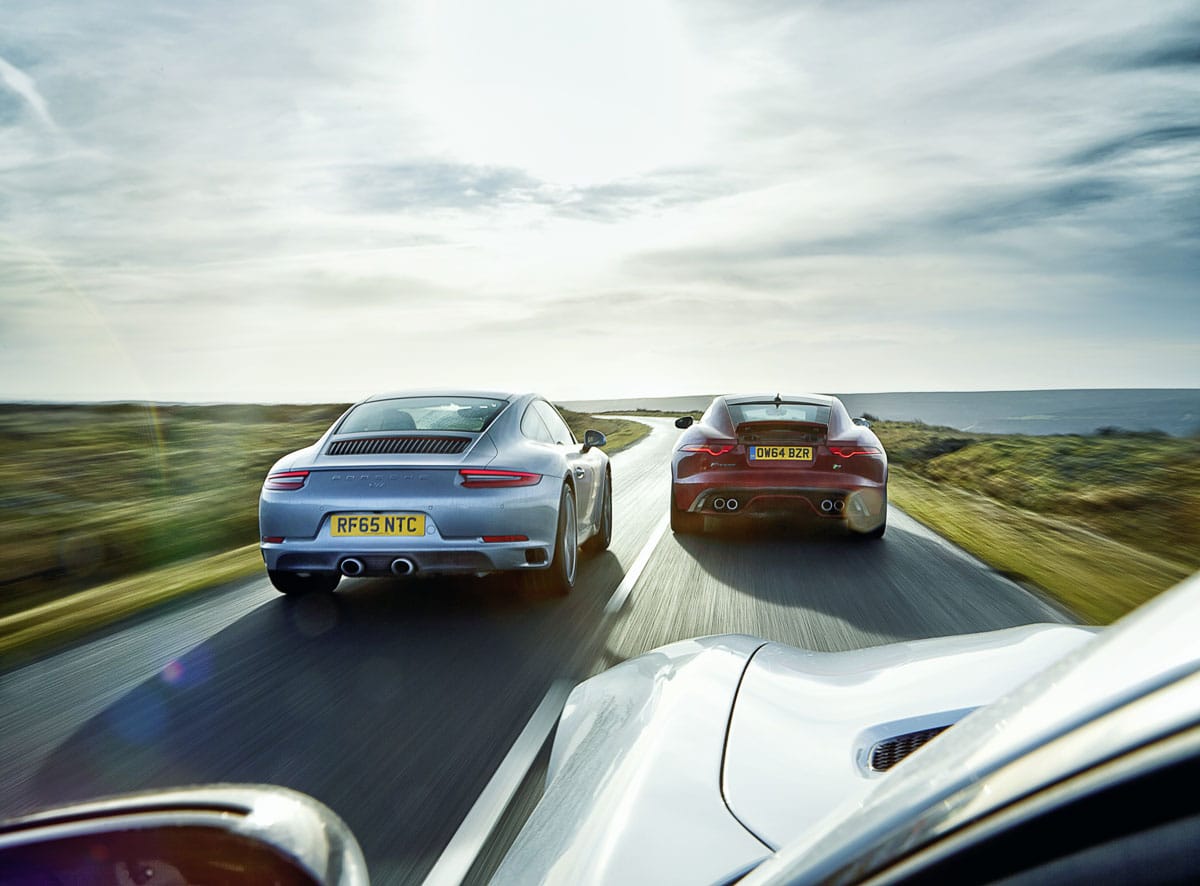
(394, 703)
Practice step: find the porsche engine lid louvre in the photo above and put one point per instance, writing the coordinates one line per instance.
(424, 445)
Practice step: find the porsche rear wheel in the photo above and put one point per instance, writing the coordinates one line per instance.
(558, 579)
(303, 583)
(603, 537)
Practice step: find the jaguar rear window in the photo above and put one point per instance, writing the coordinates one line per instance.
(768, 411)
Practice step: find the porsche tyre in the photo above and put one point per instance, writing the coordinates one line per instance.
(303, 583)
(603, 537)
(558, 579)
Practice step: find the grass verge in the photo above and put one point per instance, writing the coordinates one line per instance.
(23, 634)
(1097, 577)
(1142, 489)
(658, 413)
(621, 433)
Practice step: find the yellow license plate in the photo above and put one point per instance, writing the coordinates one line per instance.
(360, 525)
(781, 453)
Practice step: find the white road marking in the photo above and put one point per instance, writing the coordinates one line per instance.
(468, 841)
(621, 594)
(472, 835)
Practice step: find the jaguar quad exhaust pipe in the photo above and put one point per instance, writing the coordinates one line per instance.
(833, 505)
(351, 566)
(403, 566)
(725, 504)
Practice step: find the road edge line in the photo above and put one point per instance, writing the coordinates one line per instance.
(489, 807)
(472, 835)
(621, 594)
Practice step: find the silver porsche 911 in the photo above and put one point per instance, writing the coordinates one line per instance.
(437, 482)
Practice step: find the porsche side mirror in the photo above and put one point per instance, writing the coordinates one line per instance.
(234, 834)
(593, 438)
(862, 422)
(686, 422)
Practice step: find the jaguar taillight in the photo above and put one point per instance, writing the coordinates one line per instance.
(714, 448)
(851, 451)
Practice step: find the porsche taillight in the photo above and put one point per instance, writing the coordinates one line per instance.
(284, 480)
(483, 478)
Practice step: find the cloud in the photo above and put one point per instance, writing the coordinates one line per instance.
(432, 184)
(652, 192)
(940, 225)
(1036, 206)
(1163, 136)
(417, 186)
(1177, 48)
(20, 83)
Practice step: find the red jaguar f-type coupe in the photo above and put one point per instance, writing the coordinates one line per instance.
(779, 456)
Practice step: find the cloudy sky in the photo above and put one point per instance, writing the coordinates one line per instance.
(313, 199)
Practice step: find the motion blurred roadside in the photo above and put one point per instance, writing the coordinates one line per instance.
(96, 492)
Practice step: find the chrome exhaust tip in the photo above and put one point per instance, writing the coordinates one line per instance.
(839, 506)
(827, 505)
(351, 566)
(403, 566)
(731, 504)
(719, 504)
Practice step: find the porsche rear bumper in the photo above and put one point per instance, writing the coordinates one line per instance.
(461, 556)
(457, 523)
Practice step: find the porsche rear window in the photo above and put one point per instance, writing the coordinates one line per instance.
(422, 414)
(768, 411)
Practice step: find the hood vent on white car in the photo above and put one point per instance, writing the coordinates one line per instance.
(399, 445)
(890, 751)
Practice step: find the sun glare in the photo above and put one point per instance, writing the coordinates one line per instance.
(567, 92)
